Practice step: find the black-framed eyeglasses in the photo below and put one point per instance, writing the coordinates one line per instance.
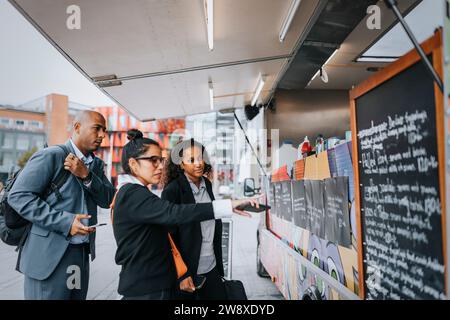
(155, 160)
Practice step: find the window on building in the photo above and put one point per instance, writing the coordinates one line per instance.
(23, 142)
(7, 159)
(36, 124)
(4, 121)
(20, 123)
(37, 141)
(8, 140)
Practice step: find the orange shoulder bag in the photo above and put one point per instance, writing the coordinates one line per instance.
(180, 266)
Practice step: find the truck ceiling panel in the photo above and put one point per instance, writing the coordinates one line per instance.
(141, 37)
(188, 93)
(343, 70)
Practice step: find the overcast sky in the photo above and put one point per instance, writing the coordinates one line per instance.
(31, 68)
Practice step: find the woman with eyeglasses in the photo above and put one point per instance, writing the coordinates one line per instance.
(200, 243)
(141, 222)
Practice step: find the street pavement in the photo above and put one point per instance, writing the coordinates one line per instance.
(104, 274)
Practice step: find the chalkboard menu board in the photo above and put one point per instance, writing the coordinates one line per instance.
(301, 219)
(286, 200)
(315, 206)
(227, 230)
(271, 197)
(277, 199)
(399, 182)
(283, 200)
(337, 213)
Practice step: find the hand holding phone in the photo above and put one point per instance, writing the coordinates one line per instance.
(98, 225)
(199, 281)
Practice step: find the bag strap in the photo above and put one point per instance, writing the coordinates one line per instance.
(111, 206)
(60, 179)
(180, 265)
(172, 244)
(64, 174)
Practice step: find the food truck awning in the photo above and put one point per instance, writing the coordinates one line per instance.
(156, 52)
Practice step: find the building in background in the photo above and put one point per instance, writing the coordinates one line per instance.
(216, 131)
(48, 120)
(32, 125)
(166, 132)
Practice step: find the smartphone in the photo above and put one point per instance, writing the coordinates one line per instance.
(250, 208)
(199, 281)
(97, 225)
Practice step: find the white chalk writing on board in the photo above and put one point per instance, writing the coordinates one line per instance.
(398, 213)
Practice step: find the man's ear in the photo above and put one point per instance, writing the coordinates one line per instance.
(76, 127)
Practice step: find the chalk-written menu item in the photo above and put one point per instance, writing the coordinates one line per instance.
(271, 197)
(286, 200)
(226, 245)
(399, 187)
(337, 213)
(283, 200)
(277, 198)
(315, 206)
(301, 218)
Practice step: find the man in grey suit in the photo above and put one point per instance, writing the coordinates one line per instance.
(55, 256)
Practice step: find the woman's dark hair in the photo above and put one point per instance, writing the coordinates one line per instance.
(135, 148)
(173, 167)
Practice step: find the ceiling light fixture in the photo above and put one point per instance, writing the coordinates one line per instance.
(259, 87)
(211, 95)
(288, 20)
(209, 16)
(321, 69)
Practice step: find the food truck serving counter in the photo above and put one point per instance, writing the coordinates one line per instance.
(366, 219)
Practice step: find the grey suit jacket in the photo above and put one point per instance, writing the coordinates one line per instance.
(52, 219)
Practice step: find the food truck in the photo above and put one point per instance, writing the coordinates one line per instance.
(364, 218)
(367, 212)
(359, 215)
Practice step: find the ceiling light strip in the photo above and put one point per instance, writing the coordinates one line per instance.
(259, 87)
(288, 19)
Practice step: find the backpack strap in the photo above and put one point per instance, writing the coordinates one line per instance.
(60, 179)
(22, 240)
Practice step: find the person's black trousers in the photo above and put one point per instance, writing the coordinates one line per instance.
(165, 294)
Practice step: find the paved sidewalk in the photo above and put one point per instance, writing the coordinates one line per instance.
(104, 272)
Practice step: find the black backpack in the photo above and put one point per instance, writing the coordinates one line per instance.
(13, 228)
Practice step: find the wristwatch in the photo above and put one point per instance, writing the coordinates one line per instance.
(86, 181)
